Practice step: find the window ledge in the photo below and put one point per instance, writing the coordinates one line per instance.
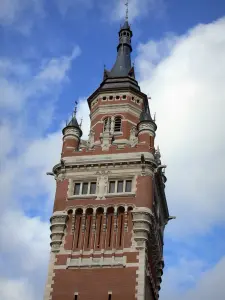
(81, 197)
(120, 194)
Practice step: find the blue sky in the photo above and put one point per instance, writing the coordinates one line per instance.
(52, 53)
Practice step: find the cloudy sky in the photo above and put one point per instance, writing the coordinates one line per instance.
(52, 53)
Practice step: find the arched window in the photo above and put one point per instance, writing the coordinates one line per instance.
(118, 123)
(107, 124)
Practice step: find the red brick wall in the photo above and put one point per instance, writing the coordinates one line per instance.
(94, 284)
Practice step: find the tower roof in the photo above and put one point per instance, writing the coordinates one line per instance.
(145, 116)
(73, 123)
(122, 66)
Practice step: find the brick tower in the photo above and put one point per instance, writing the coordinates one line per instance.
(110, 208)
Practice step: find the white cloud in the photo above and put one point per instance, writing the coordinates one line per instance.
(16, 289)
(200, 284)
(20, 13)
(186, 82)
(17, 84)
(55, 69)
(65, 6)
(28, 152)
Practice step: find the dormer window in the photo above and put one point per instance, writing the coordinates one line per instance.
(107, 124)
(118, 123)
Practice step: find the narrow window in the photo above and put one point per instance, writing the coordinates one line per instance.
(120, 187)
(112, 185)
(121, 230)
(110, 230)
(93, 188)
(117, 126)
(110, 297)
(78, 231)
(77, 189)
(128, 186)
(110, 97)
(107, 123)
(75, 297)
(117, 97)
(124, 97)
(85, 188)
(99, 233)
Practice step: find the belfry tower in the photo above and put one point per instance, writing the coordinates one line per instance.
(110, 208)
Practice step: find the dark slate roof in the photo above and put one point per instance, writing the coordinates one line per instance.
(145, 116)
(73, 122)
(125, 25)
(122, 66)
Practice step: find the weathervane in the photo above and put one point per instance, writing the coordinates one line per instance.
(127, 9)
(75, 109)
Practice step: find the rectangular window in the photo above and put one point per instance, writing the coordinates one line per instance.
(128, 186)
(110, 297)
(120, 187)
(75, 297)
(85, 188)
(77, 189)
(112, 187)
(93, 188)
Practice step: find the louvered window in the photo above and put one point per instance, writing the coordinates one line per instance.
(118, 123)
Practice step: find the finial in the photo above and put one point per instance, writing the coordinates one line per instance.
(81, 121)
(75, 109)
(127, 9)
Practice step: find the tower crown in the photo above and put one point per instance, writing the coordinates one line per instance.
(122, 66)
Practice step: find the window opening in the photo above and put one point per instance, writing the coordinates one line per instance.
(120, 187)
(112, 185)
(110, 97)
(76, 297)
(99, 234)
(78, 233)
(117, 97)
(89, 231)
(121, 229)
(93, 188)
(128, 186)
(110, 230)
(85, 188)
(124, 96)
(117, 126)
(104, 98)
(110, 297)
(77, 189)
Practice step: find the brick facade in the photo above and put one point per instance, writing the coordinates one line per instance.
(110, 208)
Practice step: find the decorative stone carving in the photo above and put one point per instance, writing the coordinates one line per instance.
(58, 224)
(106, 137)
(102, 185)
(141, 226)
(133, 137)
(91, 139)
(112, 125)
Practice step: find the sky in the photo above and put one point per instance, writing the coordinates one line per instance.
(52, 53)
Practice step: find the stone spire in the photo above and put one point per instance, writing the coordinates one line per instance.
(122, 66)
